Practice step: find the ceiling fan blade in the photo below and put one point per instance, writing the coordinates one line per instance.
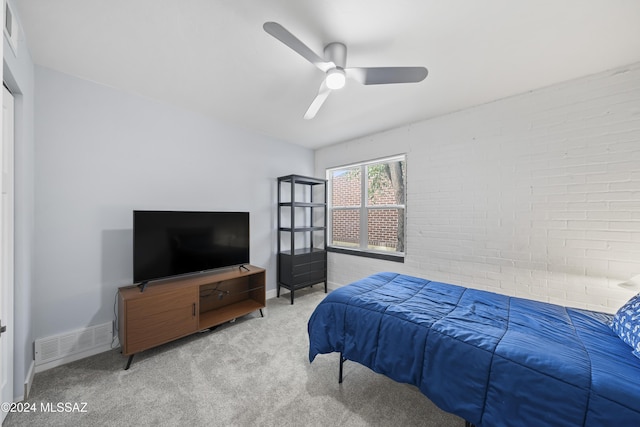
(323, 93)
(282, 34)
(386, 75)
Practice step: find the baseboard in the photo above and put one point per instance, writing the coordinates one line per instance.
(333, 285)
(274, 292)
(72, 358)
(29, 380)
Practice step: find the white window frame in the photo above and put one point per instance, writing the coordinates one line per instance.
(364, 208)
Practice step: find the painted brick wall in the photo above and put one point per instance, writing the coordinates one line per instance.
(536, 195)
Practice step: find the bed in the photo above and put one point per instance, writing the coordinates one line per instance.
(491, 359)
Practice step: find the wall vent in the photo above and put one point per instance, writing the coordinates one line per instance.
(11, 27)
(73, 345)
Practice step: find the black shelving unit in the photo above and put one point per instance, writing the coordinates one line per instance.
(302, 229)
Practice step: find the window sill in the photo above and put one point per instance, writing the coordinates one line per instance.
(376, 255)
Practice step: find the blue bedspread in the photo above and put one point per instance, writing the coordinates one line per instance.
(491, 359)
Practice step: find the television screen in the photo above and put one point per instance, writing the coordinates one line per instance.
(170, 243)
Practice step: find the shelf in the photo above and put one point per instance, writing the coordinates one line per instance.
(304, 251)
(301, 229)
(302, 205)
(299, 267)
(302, 180)
(228, 312)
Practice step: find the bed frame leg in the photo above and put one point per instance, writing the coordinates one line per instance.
(342, 359)
(468, 424)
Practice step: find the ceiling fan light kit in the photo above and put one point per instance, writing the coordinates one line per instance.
(334, 65)
(335, 79)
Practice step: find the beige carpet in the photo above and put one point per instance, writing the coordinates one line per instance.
(254, 372)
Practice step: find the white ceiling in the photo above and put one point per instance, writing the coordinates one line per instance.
(213, 57)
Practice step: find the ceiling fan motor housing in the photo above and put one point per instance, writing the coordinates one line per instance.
(336, 53)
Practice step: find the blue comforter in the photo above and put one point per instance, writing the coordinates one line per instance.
(491, 359)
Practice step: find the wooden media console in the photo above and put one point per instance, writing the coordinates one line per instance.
(174, 308)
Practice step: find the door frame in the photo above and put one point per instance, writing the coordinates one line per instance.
(7, 246)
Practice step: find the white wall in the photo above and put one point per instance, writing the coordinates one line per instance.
(18, 75)
(537, 195)
(100, 154)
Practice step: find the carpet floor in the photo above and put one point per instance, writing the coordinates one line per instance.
(254, 371)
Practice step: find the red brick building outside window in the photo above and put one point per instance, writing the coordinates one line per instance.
(376, 208)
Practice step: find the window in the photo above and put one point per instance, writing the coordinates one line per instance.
(367, 208)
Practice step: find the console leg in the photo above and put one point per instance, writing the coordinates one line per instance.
(129, 362)
(278, 291)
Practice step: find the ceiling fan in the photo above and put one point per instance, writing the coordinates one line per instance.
(334, 65)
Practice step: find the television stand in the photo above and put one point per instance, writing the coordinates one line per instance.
(178, 307)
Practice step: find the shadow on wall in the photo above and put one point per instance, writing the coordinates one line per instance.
(97, 334)
(117, 257)
(116, 264)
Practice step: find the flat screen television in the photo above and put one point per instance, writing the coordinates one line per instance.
(171, 243)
